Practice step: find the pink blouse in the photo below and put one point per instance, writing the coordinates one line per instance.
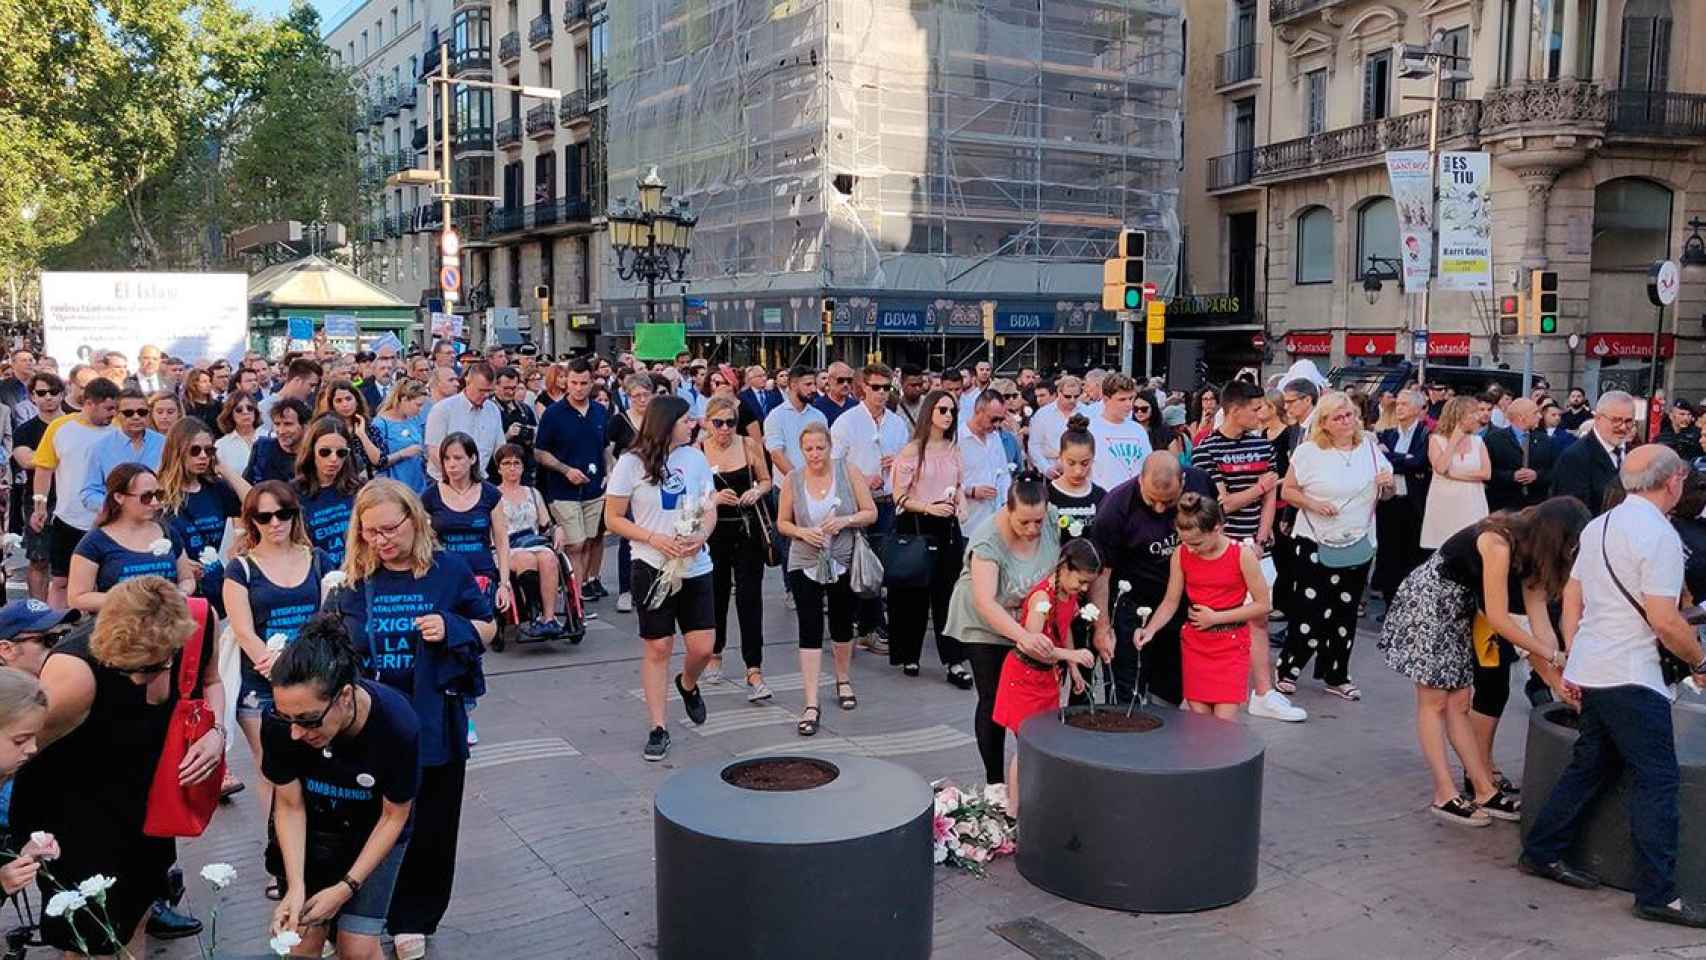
(942, 469)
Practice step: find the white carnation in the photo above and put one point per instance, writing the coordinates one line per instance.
(284, 942)
(209, 556)
(1089, 613)
(96, 886)
(219, 875)
(1076, 528)
(65, 901)
(160, 547)
(1143, 614)
(276, 642)
(333, 580)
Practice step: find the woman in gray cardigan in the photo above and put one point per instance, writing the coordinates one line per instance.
(822, 503)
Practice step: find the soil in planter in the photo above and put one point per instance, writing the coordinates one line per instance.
(780, 773)
(1113, 721)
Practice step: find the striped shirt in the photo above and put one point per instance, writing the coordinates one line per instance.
(1237, 465)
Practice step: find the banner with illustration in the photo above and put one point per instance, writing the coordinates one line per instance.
(1408, 170)
(1465, 222)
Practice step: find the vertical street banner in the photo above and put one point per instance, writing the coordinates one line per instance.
(1465, 222)
(1408, 170)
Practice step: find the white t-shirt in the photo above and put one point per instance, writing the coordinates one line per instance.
(1343, 478)
(1120, 451)
(1048, 425)
(656, 508)
(1614, 646)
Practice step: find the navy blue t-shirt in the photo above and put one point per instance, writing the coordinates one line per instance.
(117, 563)
(380, 613)
(342, 785)
(200, 523)
(274, 608)
(326, 515)
(577, 441)
(832, 411)
(268, 461)
(466, 533)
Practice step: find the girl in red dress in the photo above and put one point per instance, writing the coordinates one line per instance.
(1028, 686)
(1227, 590)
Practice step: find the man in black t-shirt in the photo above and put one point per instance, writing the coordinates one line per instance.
(520, 424)
(46, 391)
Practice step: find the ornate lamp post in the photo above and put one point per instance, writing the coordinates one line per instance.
(652, 240)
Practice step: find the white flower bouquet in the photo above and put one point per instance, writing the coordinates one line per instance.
(971, 826)
(689, 519)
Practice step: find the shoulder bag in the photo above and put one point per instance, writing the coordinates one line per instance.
(865, 570)
(906, 562)
(1673, 667)
(1358, 551)
(175, 810)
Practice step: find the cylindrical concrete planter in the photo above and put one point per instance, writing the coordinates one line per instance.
(1603, 847)
(1163, 821)
(838, 870)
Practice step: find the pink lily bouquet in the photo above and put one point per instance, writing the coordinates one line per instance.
(972, 826)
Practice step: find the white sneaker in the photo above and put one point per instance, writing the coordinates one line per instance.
(1274, 706)
(713, 672)
(625, 603)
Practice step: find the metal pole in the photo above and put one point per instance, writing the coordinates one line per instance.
(1433, 212)
(1126, 342)
(446, 183)
(1653, 365)
(1527, 365)
(650, 267)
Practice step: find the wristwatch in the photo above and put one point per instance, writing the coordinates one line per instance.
(1699, 667)
(353, 884)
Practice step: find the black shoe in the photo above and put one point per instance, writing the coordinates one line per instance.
(1682, 914)
(1501, 783)
(657, 745)
(960, 676)
(693, 700)
(593, 590)
(910, 669)
(1558, 871)
(1501, 806)
(164, 923)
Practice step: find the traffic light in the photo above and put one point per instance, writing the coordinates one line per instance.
(1122, 276)
(1510, 315)
(1544, 293)
(828, 316)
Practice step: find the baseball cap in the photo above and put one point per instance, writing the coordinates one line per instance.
(1681, 404)
(31, 616)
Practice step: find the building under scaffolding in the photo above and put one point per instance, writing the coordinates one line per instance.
(908, 158)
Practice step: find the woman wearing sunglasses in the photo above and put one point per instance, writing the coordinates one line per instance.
(111, 690)
(326, 478)
(196, 503)
(340, 398)
(127, 541)
(739, 541)
(238, 423)
(271, 588)
(343, 754)
(929, 493)
(419, 624)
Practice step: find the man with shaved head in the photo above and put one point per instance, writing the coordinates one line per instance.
(1522, 459)
(835, 392)
(1133, 531)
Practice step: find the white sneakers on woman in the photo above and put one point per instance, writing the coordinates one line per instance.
(1274, 706)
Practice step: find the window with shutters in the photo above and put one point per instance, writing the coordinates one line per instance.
(572, 186)
(1646, 46)
(1376, 85)
(1315, 246)
(1315, 101)
(1456, 43)
(545, 177)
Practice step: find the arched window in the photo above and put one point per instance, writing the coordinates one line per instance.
(1377, 233)
(1631, 224)
(1315, 246)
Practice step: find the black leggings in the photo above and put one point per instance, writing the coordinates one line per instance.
(911, 610)
(737, 565)
(1493, 684)
(986, 660)
(809, 599)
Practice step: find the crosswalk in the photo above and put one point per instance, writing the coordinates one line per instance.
(900, 743)
(520, 751)
(779, 683)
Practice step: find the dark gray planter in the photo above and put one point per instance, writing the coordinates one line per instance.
(842, 870)
(1167, 821)
(1603, 847)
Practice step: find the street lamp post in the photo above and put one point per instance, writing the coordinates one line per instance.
(652, 239)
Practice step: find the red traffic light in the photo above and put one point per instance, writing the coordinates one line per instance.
(1508, 305)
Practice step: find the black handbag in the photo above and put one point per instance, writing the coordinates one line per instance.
(908, 559)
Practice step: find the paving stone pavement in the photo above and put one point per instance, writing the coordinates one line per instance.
(555, 855)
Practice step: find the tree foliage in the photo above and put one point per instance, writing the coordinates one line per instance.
(134, 133)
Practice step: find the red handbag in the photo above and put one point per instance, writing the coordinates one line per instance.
(175, 810)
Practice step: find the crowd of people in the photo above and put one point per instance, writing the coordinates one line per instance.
(326, 544)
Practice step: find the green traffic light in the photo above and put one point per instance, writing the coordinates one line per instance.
(1548, 323)
(1133, 298)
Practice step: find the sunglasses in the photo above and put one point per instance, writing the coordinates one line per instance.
(46, 393)
(146, 670)
(339, 452)
(721, 422)
(950, 411)
(284, 514)
(1141, 408)
(146, 497)
(133, 413)
(879, 387)
(245, 408)
(843, 379)
(48, 638)
(196, 450)
(306, 723)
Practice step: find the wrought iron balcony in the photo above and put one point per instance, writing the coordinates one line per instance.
(574, 109)
(375, 113)
(393, 104)
(541, 120)
(1363, 144)
(574, 13)
(1239, 65)
(509, 132)
(412, 221)
(408, 98)
(1279, 11)
(506, 220)
(402, 159)
(429, 61)
(539, 31)
(576, 209)
(509, 47)
(473, 138)
(1231, 169)
(1656, 114)
(393, 226)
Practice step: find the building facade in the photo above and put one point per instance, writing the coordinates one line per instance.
(541, 159)
(1593, 112)
(910, 161)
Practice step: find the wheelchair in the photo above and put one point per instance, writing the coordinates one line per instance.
(530, 604)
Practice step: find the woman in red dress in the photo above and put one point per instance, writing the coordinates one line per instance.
(1030, 686)
(1227, 590)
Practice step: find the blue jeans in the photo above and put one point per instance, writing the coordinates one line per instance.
(1624, 725)
(871, 616)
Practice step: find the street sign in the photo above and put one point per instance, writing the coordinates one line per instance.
(449, 244)
(1664, 282)
(1157, 327)
(1419, 344)
(1258, 341)
(1150, 291)
(450, 279)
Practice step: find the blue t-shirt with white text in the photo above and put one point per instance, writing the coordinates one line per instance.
(343, 785)
(116, 563)
(466, 533)
(276, 609)
(326, 515)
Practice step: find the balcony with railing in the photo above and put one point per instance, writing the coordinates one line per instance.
(411, 221)
(472, 139)
(376, 113)
(547, 213)
(403, 159)
(393, 226)
(509, 47)
(408, 98)
(508, 133)
(1655, 115)
(429, 61)
(471, 60)
(574, 14)
(1279, 11)
(1231, 170)
(539, 31)
(393, 104)
(541, 120)
(1238, 66)
(1362, 145)
(574, 109)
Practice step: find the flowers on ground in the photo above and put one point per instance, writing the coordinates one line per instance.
(971, 827)
(219, 875)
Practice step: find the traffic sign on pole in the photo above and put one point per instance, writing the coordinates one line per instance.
(450, 279)
(449, 244)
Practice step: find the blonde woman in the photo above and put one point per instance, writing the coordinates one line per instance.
(1335, 480)
(740, 539)
(403, 432)
(164, 411)
(420, 623)
(1457, 496)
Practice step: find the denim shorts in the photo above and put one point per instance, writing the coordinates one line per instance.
(254, 695)
(364, 914)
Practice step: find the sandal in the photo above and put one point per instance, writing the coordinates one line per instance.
(275, 889)
(910, 669)
(808, 724)
(847, 700)
(1345, 691)
(1287, 687)
(1461, 811)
